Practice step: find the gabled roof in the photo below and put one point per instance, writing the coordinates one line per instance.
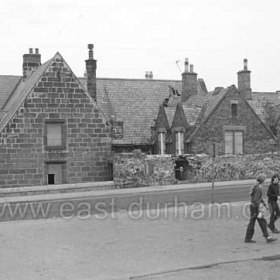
(191, 114)
(17, 96)
(162, 121)
(210, 105)
(259, 101)
(7, 85)
(20, 90)
(170, 113)
(194, 104)
(213, 103)
(135, 102)
(180, 119)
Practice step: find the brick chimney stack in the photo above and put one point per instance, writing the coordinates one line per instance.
(91, 65)
(31, 62)
(244, 81)
(189, 82)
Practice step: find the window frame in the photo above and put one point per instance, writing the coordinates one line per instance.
(63, 134)
(180, 145)
(162, 142)
(234, 108)
(233, 141)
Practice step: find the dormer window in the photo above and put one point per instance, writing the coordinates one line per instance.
(234, 108)
(179, 139)
(161, 143)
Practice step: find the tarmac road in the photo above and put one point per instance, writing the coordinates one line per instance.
(103, 202)
(189, 196)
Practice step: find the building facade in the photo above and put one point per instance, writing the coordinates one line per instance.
(232, 119)
(51, 130)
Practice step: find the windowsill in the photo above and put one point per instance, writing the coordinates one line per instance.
(240, 154)
(50, 148)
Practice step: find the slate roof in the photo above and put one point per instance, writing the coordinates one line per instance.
(191, 114)
(19, 89)
(135, 102)
(196, 107)
(19, 93)
(260, 99)
(170, 112)
(7, 85)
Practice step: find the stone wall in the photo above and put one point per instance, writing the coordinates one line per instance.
(137, 170)
(227, 168)
(256, 138)
(23, 153)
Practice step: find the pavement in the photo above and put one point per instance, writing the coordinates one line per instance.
(33, 196)
(196, 241)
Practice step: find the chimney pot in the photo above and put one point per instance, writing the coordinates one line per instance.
(191, 68)
(151, 75)
(245, 62)
(186, 65)
(189, 82)
(91, 65)
(90, 52)
(146, 75)
(31, 62)
(244, 81)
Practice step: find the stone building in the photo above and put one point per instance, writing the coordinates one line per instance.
(131, 106)
(51, 130)
(233, 119)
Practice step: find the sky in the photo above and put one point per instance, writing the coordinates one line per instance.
(131, 37)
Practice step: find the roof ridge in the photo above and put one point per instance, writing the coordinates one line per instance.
(135, 79)
(29, 84)
(7, 75)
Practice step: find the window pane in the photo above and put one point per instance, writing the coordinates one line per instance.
(179, 142)
(238, 140)
(228, 142)
(54, 134)
(234, 110)
(161, 143)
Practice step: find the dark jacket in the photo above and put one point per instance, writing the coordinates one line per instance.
(256, 195)
(273, 192)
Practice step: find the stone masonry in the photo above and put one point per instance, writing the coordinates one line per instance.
(257, 139)
(57, 96)
(138, 170)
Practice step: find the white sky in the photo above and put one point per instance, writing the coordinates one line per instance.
(133, 36)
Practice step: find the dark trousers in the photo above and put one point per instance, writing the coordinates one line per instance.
(251, 226)
(274, 213)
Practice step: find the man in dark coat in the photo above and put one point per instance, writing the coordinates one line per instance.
(255, 214)
(272, 194)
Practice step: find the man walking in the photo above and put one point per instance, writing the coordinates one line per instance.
(255, 214)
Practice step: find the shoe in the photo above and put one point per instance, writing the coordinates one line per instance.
(270, 239)
(275, 230)
(249, 241)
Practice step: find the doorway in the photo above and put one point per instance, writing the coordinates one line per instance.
(54, 173)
